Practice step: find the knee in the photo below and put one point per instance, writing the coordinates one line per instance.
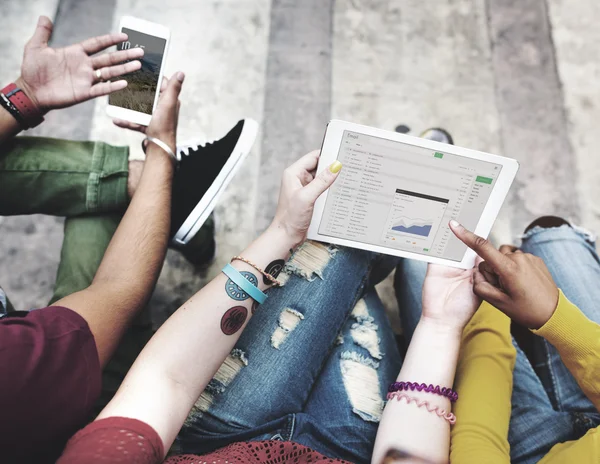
(538, 236)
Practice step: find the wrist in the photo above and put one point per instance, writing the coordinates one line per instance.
(285, 234)
(155, 154)
(28, 90)
(546, 312)
(165, 135)
(166, 148)
(441, 329)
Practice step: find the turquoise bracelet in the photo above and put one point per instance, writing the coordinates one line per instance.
(244, 284)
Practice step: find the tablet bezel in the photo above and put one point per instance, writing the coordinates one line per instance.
(329, 153)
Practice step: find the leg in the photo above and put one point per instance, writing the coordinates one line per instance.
(86, 239)
(346, 403)
(62, 178)
(408, 283)
(572, 260)
(70, 178)
(535, 426)
(270, 373)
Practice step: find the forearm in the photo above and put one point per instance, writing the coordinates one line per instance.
(202, 315)
(431, 359)
(139, 245)
(133, 259)
(189, 348)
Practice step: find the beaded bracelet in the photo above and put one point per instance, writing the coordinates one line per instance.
(268, 276)
(437, 390)
(446, 415)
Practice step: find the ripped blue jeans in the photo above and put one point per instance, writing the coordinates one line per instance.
(548, 406)
(312, 366)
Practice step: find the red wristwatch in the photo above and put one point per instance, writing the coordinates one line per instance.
(29, 112)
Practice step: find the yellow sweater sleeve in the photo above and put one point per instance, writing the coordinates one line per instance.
(577, 340)
(484, 385)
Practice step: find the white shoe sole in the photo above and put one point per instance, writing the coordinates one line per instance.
(200, 213)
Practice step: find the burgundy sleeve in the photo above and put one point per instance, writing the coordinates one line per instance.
(50, 377)
(113, 440)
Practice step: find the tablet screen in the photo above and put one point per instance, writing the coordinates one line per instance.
(396, 195)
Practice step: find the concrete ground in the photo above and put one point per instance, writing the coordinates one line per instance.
(513, 77)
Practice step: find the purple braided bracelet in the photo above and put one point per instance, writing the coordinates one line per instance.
(437, 390)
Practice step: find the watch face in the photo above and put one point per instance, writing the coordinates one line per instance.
(142, 84)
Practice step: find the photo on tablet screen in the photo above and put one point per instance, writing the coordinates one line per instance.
(396, 195)
(142, 84)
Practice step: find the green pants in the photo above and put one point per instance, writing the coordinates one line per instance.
(84, 181)
(87, 183)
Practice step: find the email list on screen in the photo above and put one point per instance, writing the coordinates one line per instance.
(396, 195)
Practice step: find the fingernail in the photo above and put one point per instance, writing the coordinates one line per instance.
(335, 167)
(180, 76)
(454, 223)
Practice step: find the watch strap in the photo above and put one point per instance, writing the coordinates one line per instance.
(12, 109)
(30, 113)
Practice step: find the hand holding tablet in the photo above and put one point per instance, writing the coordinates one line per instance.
(396, 194)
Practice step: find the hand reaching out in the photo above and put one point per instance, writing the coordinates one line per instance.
(518, 284)
(60, 77)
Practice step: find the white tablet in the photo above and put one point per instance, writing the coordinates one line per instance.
(397, 193)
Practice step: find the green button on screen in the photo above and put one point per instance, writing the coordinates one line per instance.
(437, 154)
(484, 180)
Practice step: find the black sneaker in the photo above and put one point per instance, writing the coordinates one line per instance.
(203, 173)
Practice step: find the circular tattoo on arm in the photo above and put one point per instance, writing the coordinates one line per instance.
(235, 291)
(274, 268)
(233, 320)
